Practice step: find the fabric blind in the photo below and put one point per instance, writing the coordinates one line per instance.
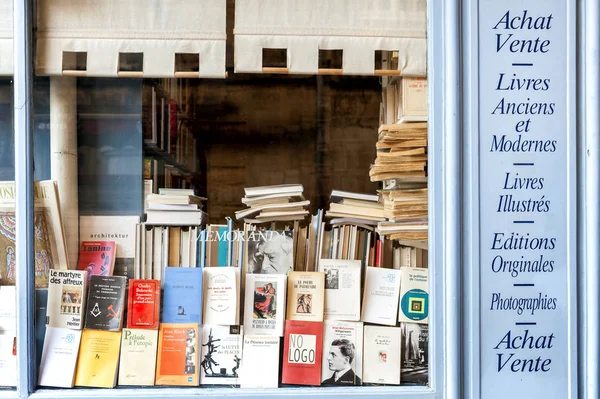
(6, 38)
(358, 27)
(157, 28)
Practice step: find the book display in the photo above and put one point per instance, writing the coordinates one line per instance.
(260, 234)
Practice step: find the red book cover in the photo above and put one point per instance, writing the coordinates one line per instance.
(143, 304)
(97, 257)
(302, 351)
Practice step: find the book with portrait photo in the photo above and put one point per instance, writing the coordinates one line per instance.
(342, 353)
(269, 251)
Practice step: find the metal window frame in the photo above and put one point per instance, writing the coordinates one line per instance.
(445, 208)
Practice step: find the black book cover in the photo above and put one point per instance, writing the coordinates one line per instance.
(106, 303)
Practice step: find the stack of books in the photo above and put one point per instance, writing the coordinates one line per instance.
(406, 213)
(283, 202)
(354, 208)
(175, 207)
(401, 153)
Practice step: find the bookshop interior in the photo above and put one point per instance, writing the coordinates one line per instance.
(229, 195)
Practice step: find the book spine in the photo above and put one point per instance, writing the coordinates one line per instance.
(229, 241)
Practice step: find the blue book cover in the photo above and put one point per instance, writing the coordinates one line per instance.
(182, 301)
(41, 299)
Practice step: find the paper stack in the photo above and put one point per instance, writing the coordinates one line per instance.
(177, 207)
(284, 202)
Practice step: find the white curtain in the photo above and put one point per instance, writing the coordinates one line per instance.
(358, 27)
(157, 28)
(6, 38)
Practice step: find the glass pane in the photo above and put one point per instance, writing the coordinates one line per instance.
(8, 325)
(292, 205)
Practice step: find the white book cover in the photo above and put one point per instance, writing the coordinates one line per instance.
(306, 296)
(342, 360)
(413, 100)
(260, 362)
(381, 362)
(59, 357)
(8, 361)
(380, 298)
(66, 298)
(8, 310)
(221, 355)
(138, 357)
(264, 306)
(221, 285)
(414, 295)
(342, 289)
(121, 230)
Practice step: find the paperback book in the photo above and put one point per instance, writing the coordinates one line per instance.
(264, 311)
(269, 251)
(98, 359)
(306, 296)
(221, 355)
(342, 353)
(380, 297)
(221, 295)
(143, 304)
(177, 362)
(138, 356)
(414, 295)
(260, 362)
(382, 355)
(182, 295)
(415, 353)
(342, 289)
(66, 298)
(105, 303)
(97, 258)
(302, 351)
(8, 361)
(59, 357)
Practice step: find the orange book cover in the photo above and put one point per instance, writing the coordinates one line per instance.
(97, 257)
(177, 362)
(143, 304)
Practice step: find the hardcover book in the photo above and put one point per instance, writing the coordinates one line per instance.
(49, 245)
(264, 310)
(380, 297)
(342, 353)
(415, 353)
(302, 350)
(382, 355)
(59, 357)
(177, 362)
(183, 295)
(105, 303)
(306, 296)
(260, 362)
(221, 355)
(414, 295)
(221, 295)
(8, 361)
(138, 356)
(98, 359)
(97, 258)
(342, 289)
(121, 230)
(143, 304)
(66, 298)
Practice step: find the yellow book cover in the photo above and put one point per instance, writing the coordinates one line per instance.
(177, 362)
(98, 359)
(306, 296)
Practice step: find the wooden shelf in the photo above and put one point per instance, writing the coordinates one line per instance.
(150, 150)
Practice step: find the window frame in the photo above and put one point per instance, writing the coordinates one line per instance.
(445, 204)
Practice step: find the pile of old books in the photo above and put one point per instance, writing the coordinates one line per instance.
(354, 208)
(172, 206)
(284, 202)
(401, 165)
